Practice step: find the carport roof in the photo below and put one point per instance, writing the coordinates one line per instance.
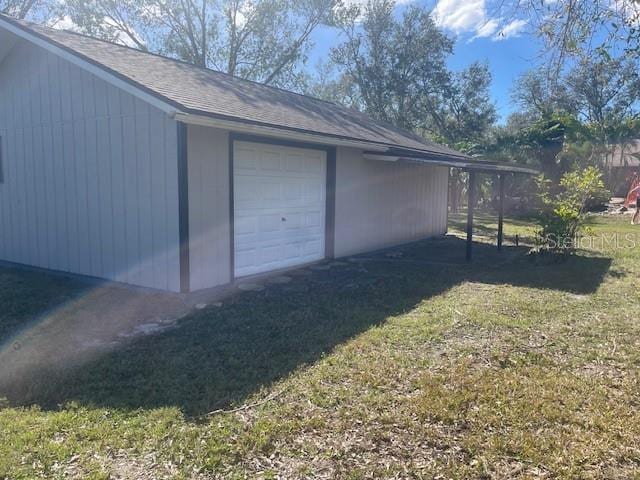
(469, 163)
(182, 88)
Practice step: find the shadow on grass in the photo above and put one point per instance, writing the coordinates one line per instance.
(219, 356)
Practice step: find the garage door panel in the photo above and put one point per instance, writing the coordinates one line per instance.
(270, 162)
(246, 225)
(270, 223)
(245, 159)
(279, 203)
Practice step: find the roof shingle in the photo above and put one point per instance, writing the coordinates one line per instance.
(206, 92)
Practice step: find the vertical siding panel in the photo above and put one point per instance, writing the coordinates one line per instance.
(424, 200)
(445, 199)
(4, 192)
(426, 180)
(50, 223)
(90, 168)
(94, 212)
(171, 188)
(23, 216)
(29, 193)
(119, 209)
(49, 104)
(105, 201)
(41, 200)
(143, 175)
(103, 180)
(208, 206)
(61, 252)
(29, 197)
(158, 202)
(82, 198)
(4, 234)
(71, 200)
(132, 221)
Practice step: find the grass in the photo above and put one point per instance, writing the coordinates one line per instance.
(386, 369)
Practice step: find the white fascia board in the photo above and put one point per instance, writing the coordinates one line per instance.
(268, 131)
(90, 67)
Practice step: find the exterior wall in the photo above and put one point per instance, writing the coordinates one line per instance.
(380, 204)
(209, 225)
(90, 174)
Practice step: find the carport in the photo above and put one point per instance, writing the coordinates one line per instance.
(473, 166)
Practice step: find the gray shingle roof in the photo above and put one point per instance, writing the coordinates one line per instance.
(196, 90)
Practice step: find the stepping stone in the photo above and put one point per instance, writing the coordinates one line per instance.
(201, 306)
(251, 287)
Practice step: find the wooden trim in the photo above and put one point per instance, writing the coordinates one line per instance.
(330, 198)
(183, 207)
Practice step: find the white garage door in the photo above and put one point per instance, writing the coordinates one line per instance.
(279, 207)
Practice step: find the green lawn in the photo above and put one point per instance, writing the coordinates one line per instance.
(420, 367)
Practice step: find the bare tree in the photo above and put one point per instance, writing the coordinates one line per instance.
(261, 40)
(582, 28)
(18, 8)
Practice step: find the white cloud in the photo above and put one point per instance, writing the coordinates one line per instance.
(511, 29)
(471, 17)
(488, 29)
(460, 16)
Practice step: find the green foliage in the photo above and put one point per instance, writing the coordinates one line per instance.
(384, 57)
(562, 216)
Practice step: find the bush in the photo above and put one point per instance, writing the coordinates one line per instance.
(564, 208)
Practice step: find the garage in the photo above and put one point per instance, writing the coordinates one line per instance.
(279, 207)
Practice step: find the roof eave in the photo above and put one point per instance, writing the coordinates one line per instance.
(275, 131)
(462, 162)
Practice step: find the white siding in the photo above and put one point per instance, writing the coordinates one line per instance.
(209, 233)
(380, 204)
(90, 174)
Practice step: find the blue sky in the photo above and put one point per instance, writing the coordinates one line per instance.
(482, 33)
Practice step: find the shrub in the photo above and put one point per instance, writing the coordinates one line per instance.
(564, 208)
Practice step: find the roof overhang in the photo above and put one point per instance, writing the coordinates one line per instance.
(463, 162)
(277, 132)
